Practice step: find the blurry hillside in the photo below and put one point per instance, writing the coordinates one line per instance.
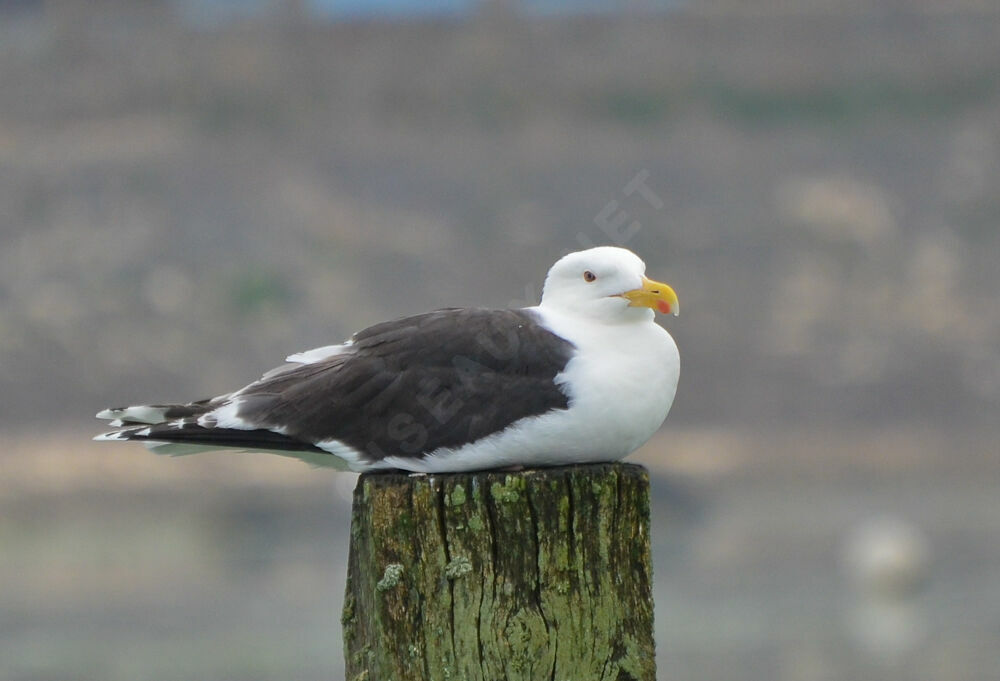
(181, 206)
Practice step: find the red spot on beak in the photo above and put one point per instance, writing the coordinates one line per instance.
(663, 306)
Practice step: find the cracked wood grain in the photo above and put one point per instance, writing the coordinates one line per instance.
(537, 575)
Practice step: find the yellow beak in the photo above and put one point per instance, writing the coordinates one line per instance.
(653, 294)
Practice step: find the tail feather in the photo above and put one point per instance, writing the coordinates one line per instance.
(189, 432)
(175, 430)
(153, 414)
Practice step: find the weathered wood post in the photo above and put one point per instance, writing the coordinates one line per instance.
(541, 574)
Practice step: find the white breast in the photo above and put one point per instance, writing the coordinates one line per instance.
(621, 382)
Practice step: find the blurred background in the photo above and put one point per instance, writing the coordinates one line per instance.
(192, 189)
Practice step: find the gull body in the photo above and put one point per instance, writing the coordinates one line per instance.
(587, 375)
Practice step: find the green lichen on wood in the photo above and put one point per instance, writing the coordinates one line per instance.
(540, 574)
(458, 567)
(390, 577)
(509, 491)
(456, 497)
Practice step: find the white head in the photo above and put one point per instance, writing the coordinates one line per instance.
(606, 282)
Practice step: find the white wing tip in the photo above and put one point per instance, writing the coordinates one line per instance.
(138, 414)
(318, 354)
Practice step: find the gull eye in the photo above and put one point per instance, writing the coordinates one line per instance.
(589, 276)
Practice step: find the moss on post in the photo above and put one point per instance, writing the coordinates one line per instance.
(541, 574)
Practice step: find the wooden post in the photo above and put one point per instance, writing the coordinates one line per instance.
(541, 574)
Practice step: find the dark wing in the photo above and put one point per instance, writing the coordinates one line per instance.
(406, 387)
(400, 388)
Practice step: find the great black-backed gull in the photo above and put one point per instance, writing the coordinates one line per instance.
(585, 376)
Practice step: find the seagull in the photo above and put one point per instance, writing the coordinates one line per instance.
(585, 376)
